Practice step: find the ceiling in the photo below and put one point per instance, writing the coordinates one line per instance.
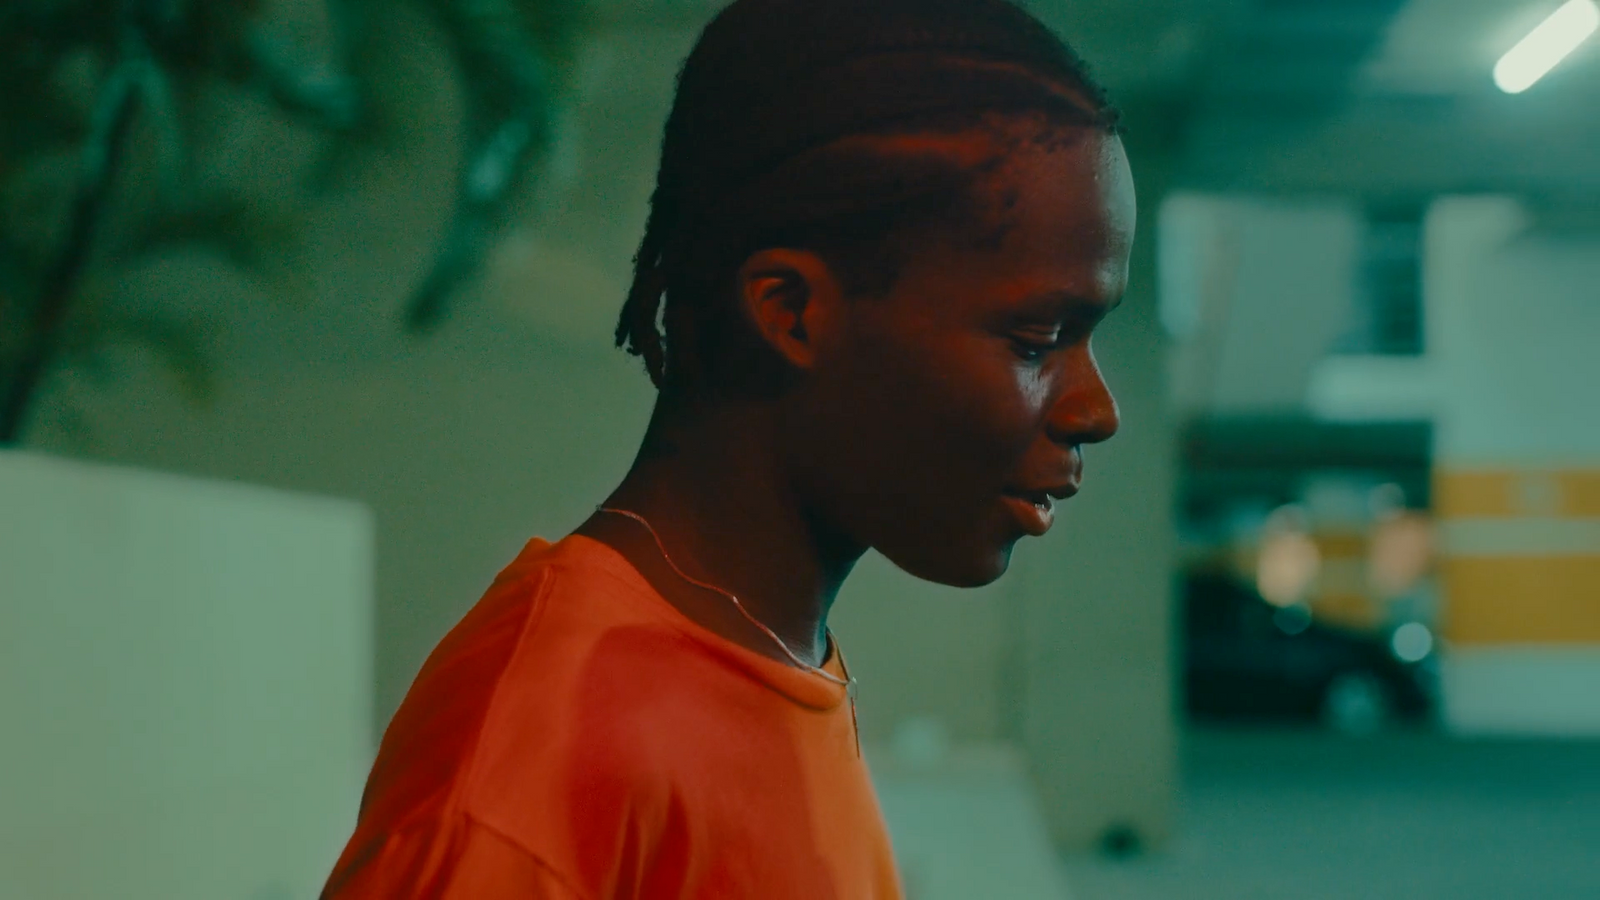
(1389, 98)
(1372, 97)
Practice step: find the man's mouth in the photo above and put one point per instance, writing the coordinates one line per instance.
(1034, 509)
(1042, 499)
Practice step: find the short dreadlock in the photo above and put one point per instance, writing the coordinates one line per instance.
(768, 144)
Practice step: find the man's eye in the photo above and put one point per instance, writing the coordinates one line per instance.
(1034, 348)
(1034, 344)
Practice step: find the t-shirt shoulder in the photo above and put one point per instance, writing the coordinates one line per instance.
(552, 713)
(437, 729)
(518, 677)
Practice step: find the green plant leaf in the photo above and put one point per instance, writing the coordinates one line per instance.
(244, 233)
(177, 344)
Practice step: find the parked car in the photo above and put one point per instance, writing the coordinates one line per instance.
(1248, 659)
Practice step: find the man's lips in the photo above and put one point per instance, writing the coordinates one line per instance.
(1034, 508)
(1044, 495)
(1034, 512)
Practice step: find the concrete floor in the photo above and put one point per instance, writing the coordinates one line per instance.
(1311, 816)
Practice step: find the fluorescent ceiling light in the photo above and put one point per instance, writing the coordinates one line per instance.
(1547, 45)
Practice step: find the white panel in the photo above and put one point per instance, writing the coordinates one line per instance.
(968, 824)
(1372, 388)
(1522, 691)
(1530, 536)
(1258, 290)
(185, 684)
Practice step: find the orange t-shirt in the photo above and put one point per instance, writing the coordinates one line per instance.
(575, 736)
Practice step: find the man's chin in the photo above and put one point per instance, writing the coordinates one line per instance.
(966, 567)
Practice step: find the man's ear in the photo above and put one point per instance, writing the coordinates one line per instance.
(793, 300)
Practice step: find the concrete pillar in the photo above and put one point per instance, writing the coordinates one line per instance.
(1512, 318)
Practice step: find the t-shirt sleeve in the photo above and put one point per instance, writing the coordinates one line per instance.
(446, 858)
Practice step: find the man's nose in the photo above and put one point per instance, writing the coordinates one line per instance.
(1086, 413)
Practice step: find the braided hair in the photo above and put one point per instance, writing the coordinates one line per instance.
(771, 142)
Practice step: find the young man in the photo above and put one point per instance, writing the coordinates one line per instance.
(881, 237)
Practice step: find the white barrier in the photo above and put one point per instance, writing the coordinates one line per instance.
(185, 684)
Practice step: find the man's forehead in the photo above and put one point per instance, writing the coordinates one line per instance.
(1078, 200)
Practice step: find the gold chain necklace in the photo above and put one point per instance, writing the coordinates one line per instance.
(848, 682)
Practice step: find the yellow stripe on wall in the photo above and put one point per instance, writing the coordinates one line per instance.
(1498, 493)
(1581, 493)
(1522, 599)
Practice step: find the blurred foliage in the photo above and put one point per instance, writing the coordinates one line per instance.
(98, 89)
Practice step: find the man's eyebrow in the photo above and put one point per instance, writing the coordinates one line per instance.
(1059, 304)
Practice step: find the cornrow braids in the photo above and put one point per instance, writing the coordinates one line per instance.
(637, 331)
(775, 139)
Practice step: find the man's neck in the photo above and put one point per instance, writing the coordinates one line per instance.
(724, 514)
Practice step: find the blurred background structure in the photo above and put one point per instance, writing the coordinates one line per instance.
(1325, 621)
